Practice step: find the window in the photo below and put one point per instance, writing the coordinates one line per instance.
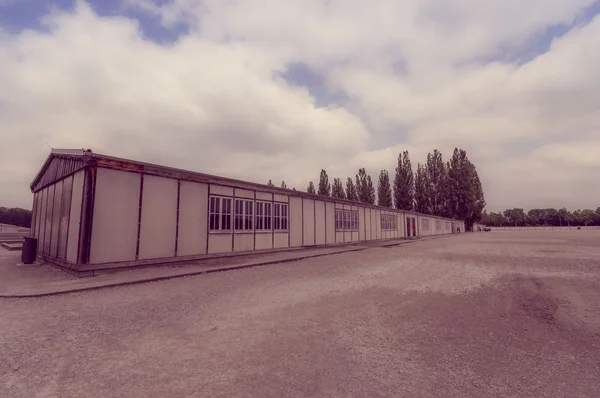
(346, 220)
(389, 221)
(243, 215)
(219, 214)
(425, 223)
(280, 216)
(263, 216)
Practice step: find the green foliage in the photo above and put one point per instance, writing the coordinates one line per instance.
(542, 217)
(404, 183)
(422, 203)
(464, 192)
(437, 184)
(337, 189)
(311, 188)
(15, 216)
(384, 190)
(324, 185)
(351, 191)
(515, 216)
(364, 187)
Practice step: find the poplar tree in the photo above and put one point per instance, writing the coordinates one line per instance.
(404, 183)
(436, 183)
(324, 185)
(364, 187)
(337, 189)
(422, 204)
(384, 190)
(351, 190)
(311, 188)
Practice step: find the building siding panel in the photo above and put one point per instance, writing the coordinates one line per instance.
(330, 222)
(193, 211)
(264, 240)
(115, 218)
(295, 222)
(243, 241)
(280, 198)
(280, 240)
(361, 223)
(309, 222)
(67, 195)
(48, 218)
(75, 217)
(220, 190)
(159, 218)
(368, 226)
(347, 236)
(244, 193)
(264, 196)
(320, 222)
(219, 243)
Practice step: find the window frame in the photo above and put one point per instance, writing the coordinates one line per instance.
(389, 222)
(243, 215)
(281, 217)
(263, 222)
(217, 216)
(346, 220)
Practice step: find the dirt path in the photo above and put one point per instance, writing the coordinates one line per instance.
(495, 314)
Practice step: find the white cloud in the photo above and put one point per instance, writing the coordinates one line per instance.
(213, 100)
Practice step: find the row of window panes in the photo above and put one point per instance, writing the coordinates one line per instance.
(220, 213)
(346, 220)
(389, 221)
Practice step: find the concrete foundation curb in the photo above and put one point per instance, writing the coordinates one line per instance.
(208, 271)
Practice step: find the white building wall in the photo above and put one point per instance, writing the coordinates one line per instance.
(42, 221)
(65, 210)
(244, 193)
(115, 216)
(309, 222)
(57, 205)
(48, 219)
(193, 219)
(320, 238)
(264, 196)
(220, 190)
(368, 225)
(330, 223)
(281, 240)
(264, 240)
(159, 218)
(243, 241)
(75, 218)
(361, 223)
(295, 222)
(220, 242)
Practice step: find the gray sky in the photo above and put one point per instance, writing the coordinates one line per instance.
(270, 89)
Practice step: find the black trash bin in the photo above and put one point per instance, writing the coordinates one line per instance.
(29, 252)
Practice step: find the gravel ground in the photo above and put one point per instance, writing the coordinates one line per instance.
(492, 314)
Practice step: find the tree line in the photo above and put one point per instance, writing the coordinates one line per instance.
(448, 189)
(15, 216)
(541, 217)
